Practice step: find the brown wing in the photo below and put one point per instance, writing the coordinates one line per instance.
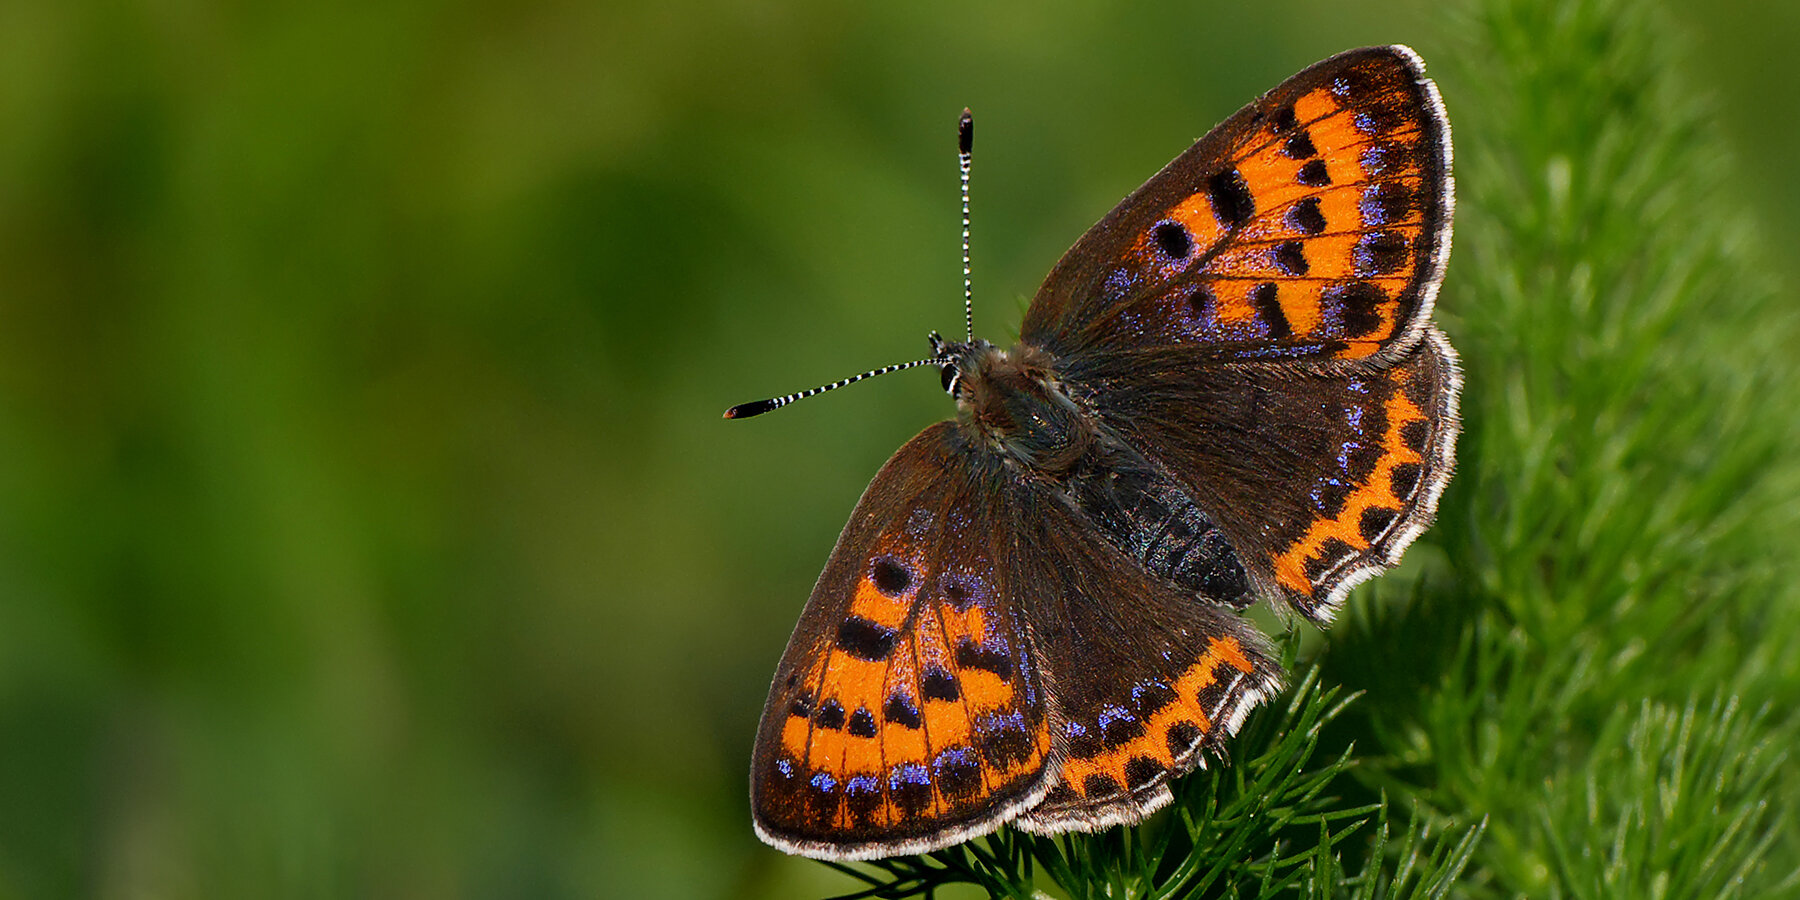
(908, 712)
(1319, 479)
(1312, 224)
(1144, 675)
(973, 655)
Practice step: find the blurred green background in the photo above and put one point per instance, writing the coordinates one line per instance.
(367, 524)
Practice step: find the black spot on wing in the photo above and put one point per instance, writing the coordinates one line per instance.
(862, 723)
(1083, 744)
(1385, 159)
(1380, 253)
(958, 772)
(1404, 479)
(1149, 698)
(1173, 239)
(939, 685)
(1415, 433)
(1004, 743)
(1387, 203)
(1142, 770)
(890, 577)
(1121, 730)
(1374, 522)
(1230, 196)
(823, 797)
(1332, 552)
(1300, 146)
(801, 707)
(972, 655)
(1181, 737)
(830, 715)
(1290, 258)
(909, 784)
(864, 639)
(901, 711)
(1099, 786)
(1356, 305)
(1202, 302)
(1266, 298)
(862, 796)
(1305, 216)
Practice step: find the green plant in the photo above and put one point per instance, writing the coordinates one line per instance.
(1610, 582)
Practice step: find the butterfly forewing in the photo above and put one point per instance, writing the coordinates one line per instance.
(908, 712)
(1312, 224)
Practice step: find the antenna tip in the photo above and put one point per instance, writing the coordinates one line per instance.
(746, 410)
(965, 131)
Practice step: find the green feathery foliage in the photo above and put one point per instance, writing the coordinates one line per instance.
(1614, 535)
(1265, 826)
(1570, 696)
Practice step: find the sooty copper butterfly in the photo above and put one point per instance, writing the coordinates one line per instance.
(1229, 390)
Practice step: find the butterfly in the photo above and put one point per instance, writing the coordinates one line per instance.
(1229, 390)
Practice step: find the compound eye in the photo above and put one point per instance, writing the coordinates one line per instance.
(950, 375)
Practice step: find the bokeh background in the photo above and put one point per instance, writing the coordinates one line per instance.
(367, 524)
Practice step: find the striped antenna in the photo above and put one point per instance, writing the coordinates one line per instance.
(965, 157)
(965, 144)
(757, 408)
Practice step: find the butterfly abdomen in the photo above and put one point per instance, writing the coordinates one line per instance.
(1148, 514)
(1016, 404)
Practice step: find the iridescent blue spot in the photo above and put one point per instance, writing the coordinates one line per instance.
(1293, 350)
(1337, 489)
(1365, 123)
(1112, 714)
(1001, 721)
(1358, 387)
(908, 773)
(1075, 730)
(1329, 496)
(824, 783)
(1378, 159)
(785, 766)
(1374, 213)
(1348, 448)
(1353, 416)
(957, 772)
(955, 758)
(1118, 282)
(863, 784)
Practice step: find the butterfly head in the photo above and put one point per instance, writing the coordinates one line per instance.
(1013, 401)
(955, 359)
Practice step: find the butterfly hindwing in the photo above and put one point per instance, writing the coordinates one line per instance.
(1311, 225)
(908, 711)
(1146, 676)
(1319, 479)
